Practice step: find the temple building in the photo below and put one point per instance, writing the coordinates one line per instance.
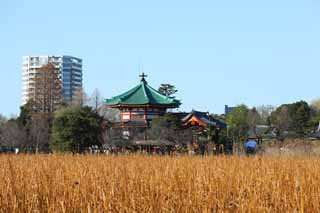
(200, 122)
(201, 119)
(140, 105)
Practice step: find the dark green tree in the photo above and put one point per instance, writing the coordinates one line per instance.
(37, 127)
(293, 118)
(75, 129)
(300, 113)
(168, 90)
(313, 123)
(282, 121)
(24, 119)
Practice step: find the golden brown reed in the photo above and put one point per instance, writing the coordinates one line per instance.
(159, 184)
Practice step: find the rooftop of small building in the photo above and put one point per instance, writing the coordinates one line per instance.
(143, 94)
(204, 117)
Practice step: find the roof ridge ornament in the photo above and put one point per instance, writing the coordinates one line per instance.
(143, 76)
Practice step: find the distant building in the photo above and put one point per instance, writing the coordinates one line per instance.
(202, 119)
(228, 110)
(70, 71)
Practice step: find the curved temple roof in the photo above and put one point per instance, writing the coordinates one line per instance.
(203, 117)
(143, 94)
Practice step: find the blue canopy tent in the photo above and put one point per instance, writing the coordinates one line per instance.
(251, 146)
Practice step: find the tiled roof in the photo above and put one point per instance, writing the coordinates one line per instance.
(206, 118)
(143, 94)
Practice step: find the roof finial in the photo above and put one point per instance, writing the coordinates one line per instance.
(143, 76)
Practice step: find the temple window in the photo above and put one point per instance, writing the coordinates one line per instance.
(137, 116)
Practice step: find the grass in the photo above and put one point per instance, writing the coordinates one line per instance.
(158, 184)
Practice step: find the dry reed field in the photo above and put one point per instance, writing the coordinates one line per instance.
(159, 184)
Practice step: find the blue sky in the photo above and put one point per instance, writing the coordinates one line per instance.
(215, 52)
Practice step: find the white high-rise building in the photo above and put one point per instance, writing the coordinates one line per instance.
(70, 73)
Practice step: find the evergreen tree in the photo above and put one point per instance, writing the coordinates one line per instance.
(167, 90)
(75, 129)
(293, 117)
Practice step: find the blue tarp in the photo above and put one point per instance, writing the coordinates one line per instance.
(251, 144)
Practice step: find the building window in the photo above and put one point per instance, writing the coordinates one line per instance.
(137, 116)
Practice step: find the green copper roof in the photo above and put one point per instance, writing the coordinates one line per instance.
(143, 94)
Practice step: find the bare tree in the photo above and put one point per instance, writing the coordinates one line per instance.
(264, 113)
(315, 105)
(110, 114)
(79, 98)
(39, 133)
(96, 101)
(184, 136)
(253, 119)
(47, 93)
(13, 136)
(3, 120)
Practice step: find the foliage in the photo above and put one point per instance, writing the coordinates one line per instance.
(24, 118)
(237, 122)
(166, 127)
(75, 129)
(163, 127)
(36, 127)
(167, 90)
(281, 120)
(300, 113)
(168, 121)
(313, 123)
(293, 118)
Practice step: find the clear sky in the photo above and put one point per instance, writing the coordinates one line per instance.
(215, 52)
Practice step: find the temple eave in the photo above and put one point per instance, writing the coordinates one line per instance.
(129, 127)
(141, 106)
